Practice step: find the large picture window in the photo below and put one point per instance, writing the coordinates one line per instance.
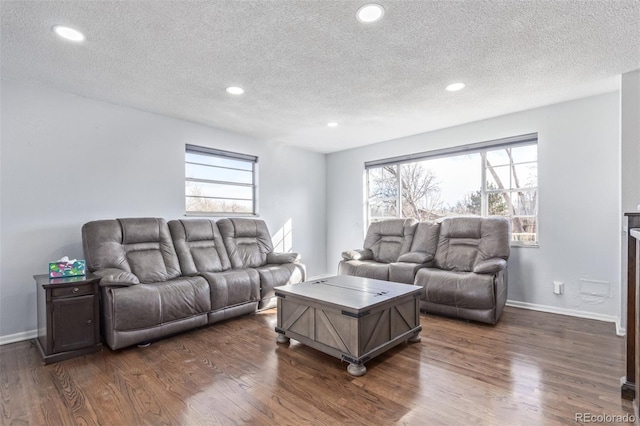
(485, 179)
(220, 182)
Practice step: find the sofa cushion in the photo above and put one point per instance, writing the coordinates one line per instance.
(388, 239)
(141, 246)
(247, 241)
(404, 272)
(281, 258)
(357, 254)
(467, 241)
(233, 287)
(116, 277)
(364, 268)
(490, 266)
(275, 275)
(415, 257)
(199, 246)
(425, 241)
(460, 289)
(162, 302)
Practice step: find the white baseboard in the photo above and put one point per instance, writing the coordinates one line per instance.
(18, 337)
(569, 312)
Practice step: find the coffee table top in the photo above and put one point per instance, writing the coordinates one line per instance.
(353, 293)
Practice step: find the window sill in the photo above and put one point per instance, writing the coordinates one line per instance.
(205, 214)
(519, 246)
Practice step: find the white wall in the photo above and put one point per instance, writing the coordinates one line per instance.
(579, 199)
(67, 160)
(630, 136)
(630, 164)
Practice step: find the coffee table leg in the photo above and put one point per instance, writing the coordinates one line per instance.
(281, 338)
(415, 339)
(356, 369)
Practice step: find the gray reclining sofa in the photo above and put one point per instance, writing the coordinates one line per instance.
(159, 279)
(460, 262)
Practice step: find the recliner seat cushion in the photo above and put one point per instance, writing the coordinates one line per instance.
(364, 268)
(460, 289)
(389, 239)
(233, 287)
(163, 302)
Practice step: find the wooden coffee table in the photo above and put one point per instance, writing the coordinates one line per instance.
(351, 318)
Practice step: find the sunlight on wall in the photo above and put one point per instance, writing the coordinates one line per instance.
(283, 238)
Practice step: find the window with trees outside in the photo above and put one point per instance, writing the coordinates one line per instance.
(220, 182)
(484, 179)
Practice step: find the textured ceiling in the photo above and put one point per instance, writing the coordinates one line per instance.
(306, 62)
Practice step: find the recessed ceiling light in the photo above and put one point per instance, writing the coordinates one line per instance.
(455, 87)
(370, 13)
(332, 124)
(234, 90)
(68, 33)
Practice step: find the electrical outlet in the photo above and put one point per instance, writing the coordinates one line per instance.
(558, 287)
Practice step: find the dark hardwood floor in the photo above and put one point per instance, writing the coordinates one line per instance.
(532, 368)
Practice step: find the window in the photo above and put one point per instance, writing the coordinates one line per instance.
(220, 182)
(485, 179)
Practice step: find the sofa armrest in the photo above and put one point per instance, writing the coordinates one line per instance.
(280, 258)
(113, 277)
(357, 254)
(490, 266)
(416, 257)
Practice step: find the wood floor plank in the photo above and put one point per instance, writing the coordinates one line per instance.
(11, 388)
(530, 368)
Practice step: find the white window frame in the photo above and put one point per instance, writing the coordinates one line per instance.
(482, 148)
(486, 192)
(228, 155)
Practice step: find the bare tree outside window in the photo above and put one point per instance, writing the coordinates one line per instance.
(418, 186)
(420, 191)
(383, 193)
(444, 186)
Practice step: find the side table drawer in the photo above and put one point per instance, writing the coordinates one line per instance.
(80, 290)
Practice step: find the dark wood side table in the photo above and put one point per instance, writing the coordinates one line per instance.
(629, 387)
(68, 317)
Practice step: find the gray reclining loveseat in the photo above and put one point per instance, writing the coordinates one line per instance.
(461, 262)
(159, 279)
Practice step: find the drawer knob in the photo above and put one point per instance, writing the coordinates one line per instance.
(76, 289)
(89, 322)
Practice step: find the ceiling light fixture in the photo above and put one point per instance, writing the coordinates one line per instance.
(332, 124)
(69, 33)
(454, 87)
(234, 90)
(370, 13)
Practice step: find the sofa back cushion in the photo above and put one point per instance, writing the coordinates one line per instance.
(142, 246)
(199, 246)
(388, 239)
(467, 241)
(247, 241)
